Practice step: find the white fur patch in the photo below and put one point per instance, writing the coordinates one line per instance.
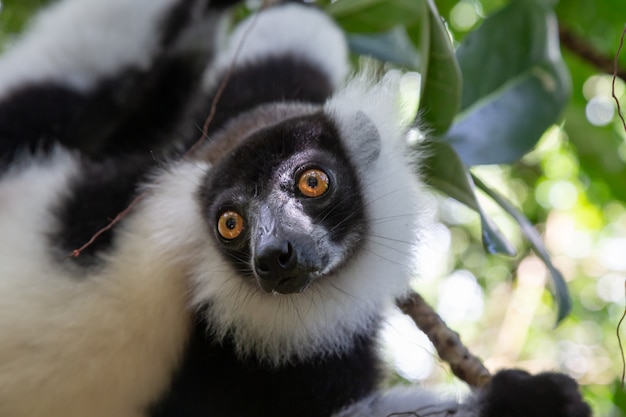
(410, 401)
(292, 30)
(325, 317)
(99, 342)
(78, 42)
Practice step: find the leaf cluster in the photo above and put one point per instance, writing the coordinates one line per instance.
(488, 101)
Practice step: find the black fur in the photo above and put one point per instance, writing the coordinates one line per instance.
(221, 4)
(176, 21)
(36, 116)
(150, 110)
(103, 190)
(212, 374)
(123, 128)
(514, 393)
(274, 79)
(134, 111)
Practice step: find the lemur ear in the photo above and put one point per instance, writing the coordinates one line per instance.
(365, 142)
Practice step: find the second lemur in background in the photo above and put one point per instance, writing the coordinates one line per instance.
(252, 276)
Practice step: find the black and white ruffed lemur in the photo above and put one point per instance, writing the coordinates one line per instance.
(250, 277)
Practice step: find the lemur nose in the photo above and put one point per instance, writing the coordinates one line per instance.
(275, 259)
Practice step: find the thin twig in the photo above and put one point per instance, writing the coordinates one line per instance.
(621, 116)
(619, 341)
(223, 84)
(76, 252)
(615, 75)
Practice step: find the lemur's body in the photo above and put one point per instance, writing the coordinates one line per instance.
(235, 286)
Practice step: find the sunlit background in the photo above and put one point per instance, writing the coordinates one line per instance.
(573, 186)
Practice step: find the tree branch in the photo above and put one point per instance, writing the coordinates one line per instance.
(584, 50)
(464, 365)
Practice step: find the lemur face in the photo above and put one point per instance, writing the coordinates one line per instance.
(285, 206)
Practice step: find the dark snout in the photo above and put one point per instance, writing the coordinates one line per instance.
(277, 266)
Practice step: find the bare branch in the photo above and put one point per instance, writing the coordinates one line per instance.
(465, 366)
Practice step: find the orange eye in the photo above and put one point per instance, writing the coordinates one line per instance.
(230, 225)
(313, 183)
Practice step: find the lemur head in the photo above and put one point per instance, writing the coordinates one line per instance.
(310, 216)
(285, 207)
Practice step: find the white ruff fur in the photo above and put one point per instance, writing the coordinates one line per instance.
(290, 30)
(411, 401)
(78, 42)
(324, 318)
(98, 343)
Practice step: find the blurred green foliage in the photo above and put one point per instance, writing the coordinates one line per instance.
(571, 186)
(13, 16)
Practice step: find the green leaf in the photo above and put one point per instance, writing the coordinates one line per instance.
(360, 16)
(619, 400)
(432, 54)
(446, 172)
(515, 84)
(441, 88)
(559, 287)
(393, 46)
